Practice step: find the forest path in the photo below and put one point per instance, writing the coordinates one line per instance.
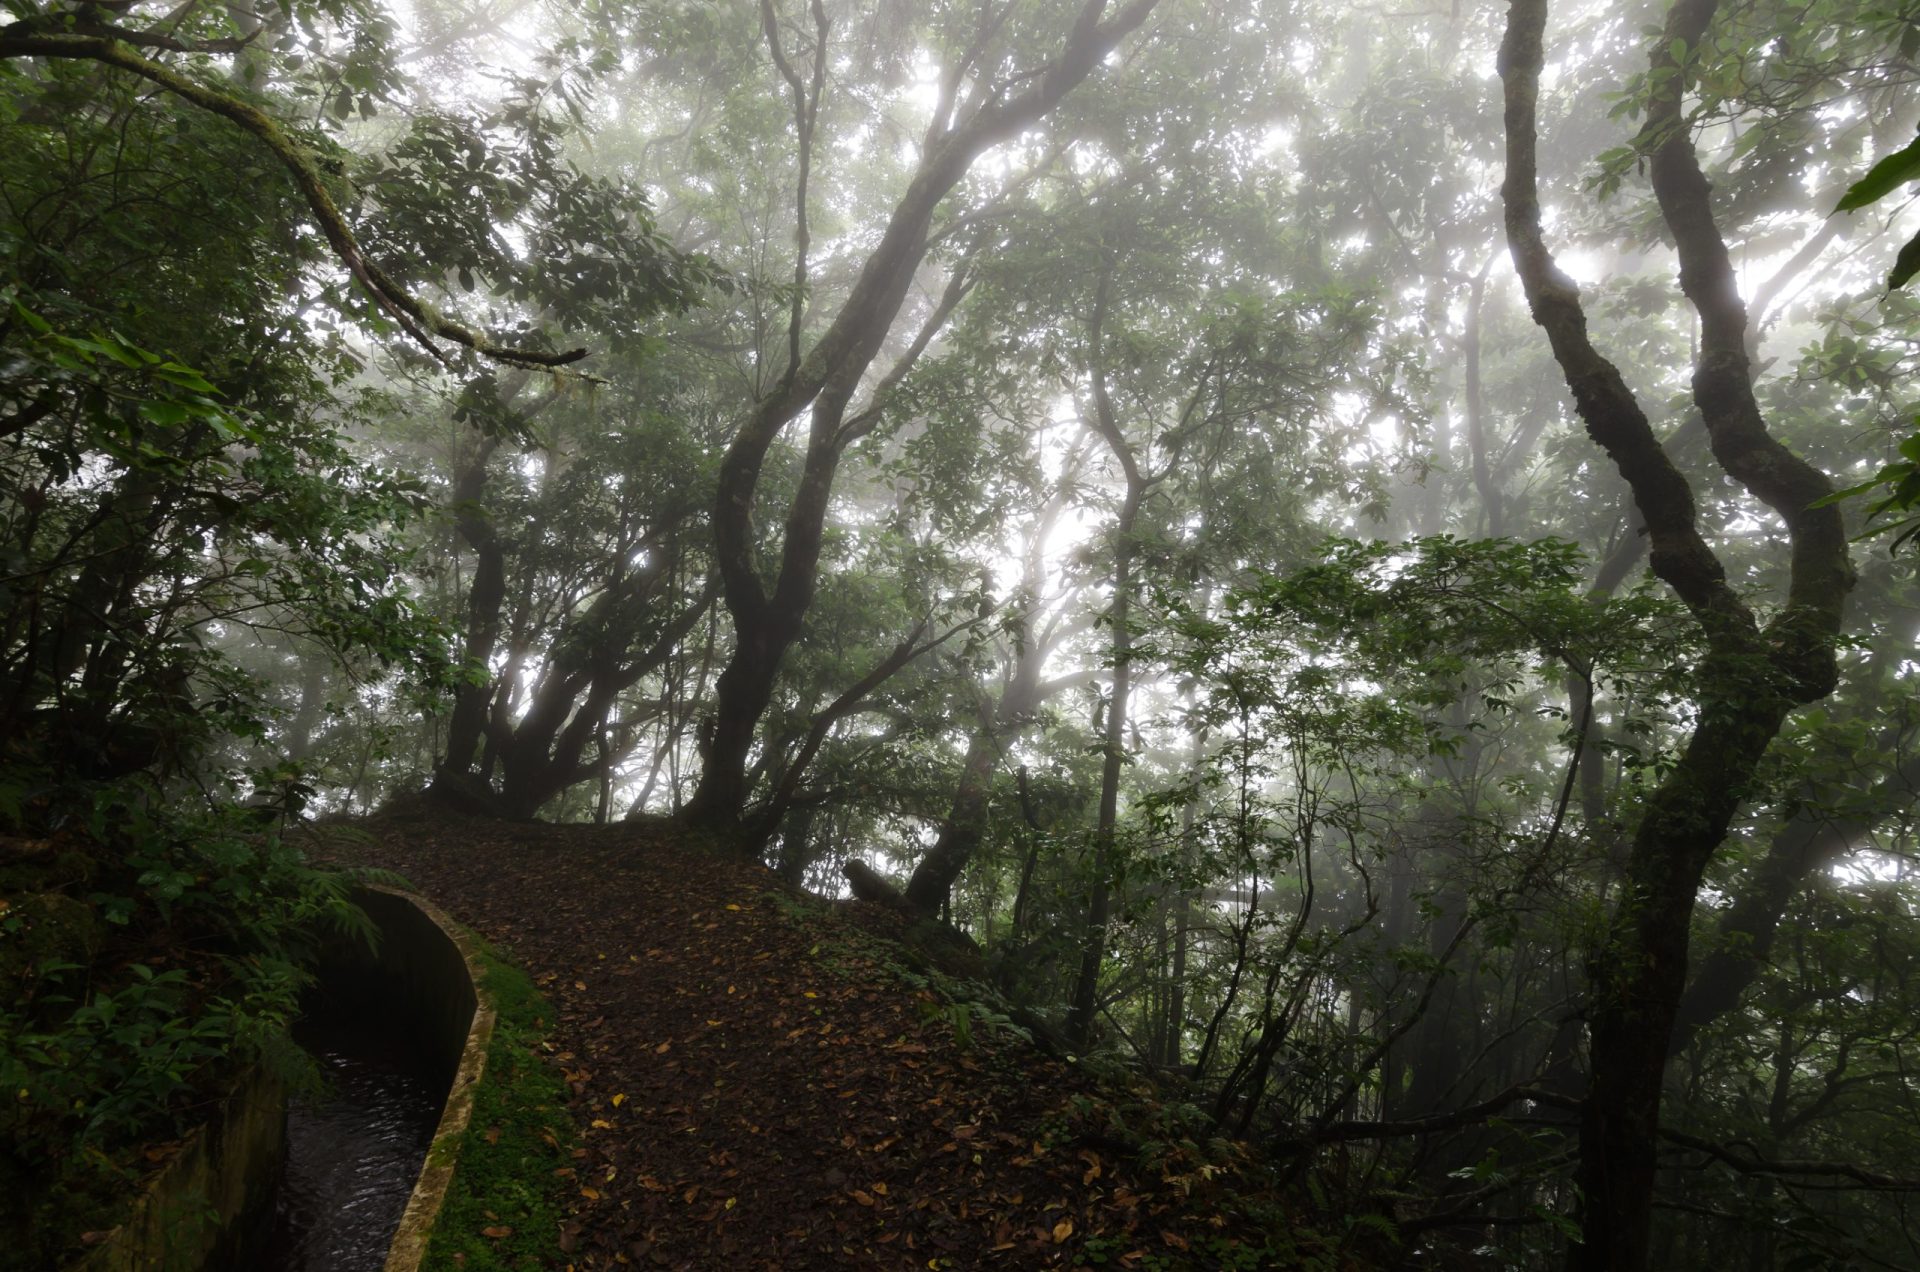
(755, 1090)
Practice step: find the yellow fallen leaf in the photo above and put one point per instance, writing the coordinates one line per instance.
(618, 1100)
(811, 994)
(1062, 1230)
(579, 984)
(662, 1048)
(732, 1202)
(601, 1124)
(591, 1194)
(733, 907)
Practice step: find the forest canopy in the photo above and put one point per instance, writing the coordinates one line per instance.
(1361, 553)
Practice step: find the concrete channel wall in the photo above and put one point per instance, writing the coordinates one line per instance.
(204, 1207)
(435, 967)
(201, 1209)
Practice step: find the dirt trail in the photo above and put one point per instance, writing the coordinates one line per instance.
(755, 1091)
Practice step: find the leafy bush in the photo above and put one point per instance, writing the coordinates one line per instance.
(148, 955)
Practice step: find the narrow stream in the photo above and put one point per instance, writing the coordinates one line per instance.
(354, 1151)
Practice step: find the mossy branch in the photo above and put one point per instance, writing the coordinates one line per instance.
(415, 317)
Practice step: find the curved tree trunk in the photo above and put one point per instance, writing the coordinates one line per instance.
(1750, 678)
(933, 878)
(767, 621)
(965, 827)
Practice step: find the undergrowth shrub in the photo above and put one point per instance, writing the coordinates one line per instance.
(149, 952)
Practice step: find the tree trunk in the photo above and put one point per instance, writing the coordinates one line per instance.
(766, 623)
(960, 836)
(1084, 1003)
(486, 598)
(1745, 933)
(1750, 678)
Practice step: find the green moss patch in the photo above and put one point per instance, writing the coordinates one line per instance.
(504, 1207)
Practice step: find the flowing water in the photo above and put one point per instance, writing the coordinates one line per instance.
(353, 1151)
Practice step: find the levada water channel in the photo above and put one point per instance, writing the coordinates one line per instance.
(336, 1179)
(354, 1148)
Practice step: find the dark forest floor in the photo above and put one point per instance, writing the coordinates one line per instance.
(759, 1085)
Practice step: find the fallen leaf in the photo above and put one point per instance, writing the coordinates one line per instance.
(617, 1101)
(733, 907)
(861, 1197)
(492, 1135)
(497, 1231)
(662, 1048)
(1062, 1230)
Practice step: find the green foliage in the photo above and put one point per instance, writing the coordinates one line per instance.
(1886, 176)
(519, 1137)
(1900, 482)
(187, 936)
(455, 187)
(240, 523)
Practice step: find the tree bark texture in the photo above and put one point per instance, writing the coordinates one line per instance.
(1750, 677)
